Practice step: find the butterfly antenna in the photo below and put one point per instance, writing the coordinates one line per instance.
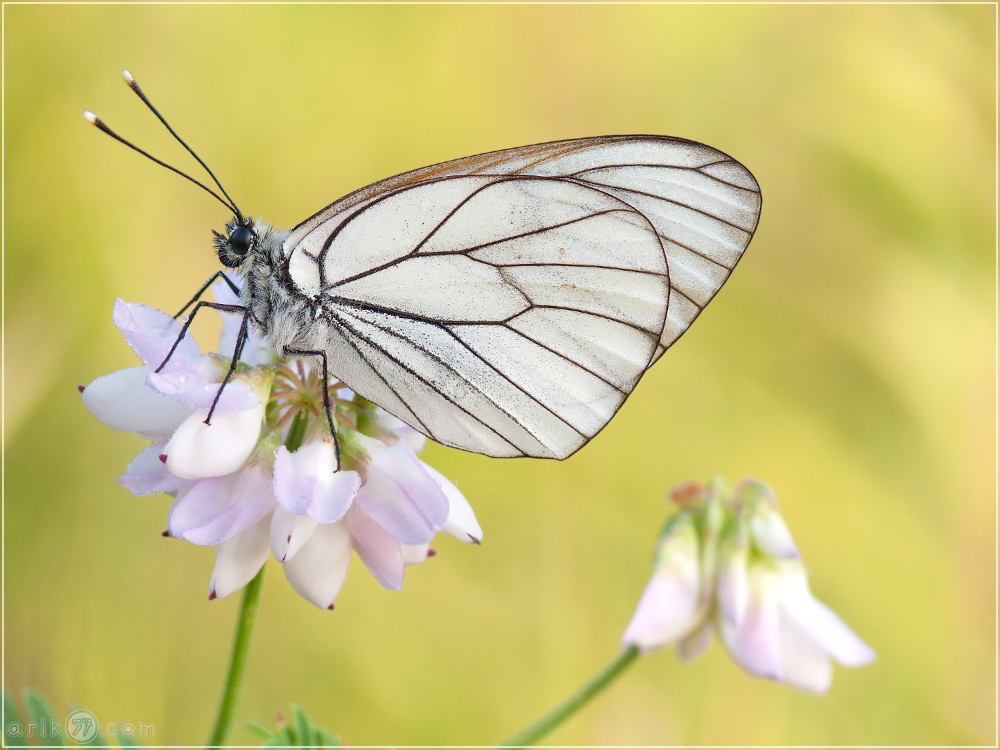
(132, 84)
(99, 124)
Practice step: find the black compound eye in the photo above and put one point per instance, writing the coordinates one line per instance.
(241, 239)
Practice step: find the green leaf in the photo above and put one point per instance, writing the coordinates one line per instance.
(97, 740)
(125, 740)
(303, 727)
(300, 731)
(13, 728)
(286, 735)
(325, 739)
(259, 729)
(48, 728)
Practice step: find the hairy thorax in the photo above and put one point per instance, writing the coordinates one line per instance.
(277, 312)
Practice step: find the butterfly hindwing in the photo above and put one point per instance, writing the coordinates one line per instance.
(508, 303)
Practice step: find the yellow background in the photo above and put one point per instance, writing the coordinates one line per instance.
(849, 361)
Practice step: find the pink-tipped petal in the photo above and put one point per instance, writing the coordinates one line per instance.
(307, 482)
(147, 475)
(218, 508)
(150, 333)
(318, 570)
(198, 450)
(237, 560)
(289, 532)
(381, 553)
(402, 497)
(123, 401)
(461, 522)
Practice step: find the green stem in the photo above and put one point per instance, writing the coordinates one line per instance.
(575, 702)
(238, 662)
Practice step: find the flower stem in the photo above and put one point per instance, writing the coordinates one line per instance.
(555, 717)
(238, 661)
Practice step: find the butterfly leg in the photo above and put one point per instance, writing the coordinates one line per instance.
(241, 340)
(206, 285)
(289, 352)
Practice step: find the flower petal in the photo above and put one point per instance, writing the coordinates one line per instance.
(318, 570)
(238, 559)
(414, 554)
(821, 623)
(401, 496)
(415, 441)
(289, 532)
(198, 450)
(217, 508)
(733, 586)
(666, 612)
(147, 475)
(379, 550)
(150, 333)
(123, 401)
(461, 522)
(806, 666)
(695, 643)
(307, 482)
(188, 386)
(770, 532)
(756, 642)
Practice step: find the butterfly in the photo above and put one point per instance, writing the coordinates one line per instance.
(505, 303)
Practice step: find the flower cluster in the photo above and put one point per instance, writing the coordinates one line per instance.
(262, 477)
(726, 562)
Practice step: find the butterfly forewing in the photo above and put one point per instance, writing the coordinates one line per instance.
(507, 303)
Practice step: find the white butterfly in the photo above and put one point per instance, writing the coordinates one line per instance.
(505, 303)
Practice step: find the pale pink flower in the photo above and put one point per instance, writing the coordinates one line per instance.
(786, 634)
(399, 492)
(749, 585)
(237, 487)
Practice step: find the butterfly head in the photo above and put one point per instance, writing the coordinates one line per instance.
(234, 248)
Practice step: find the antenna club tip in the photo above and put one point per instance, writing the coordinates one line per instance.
(128, 77)
(90, 117)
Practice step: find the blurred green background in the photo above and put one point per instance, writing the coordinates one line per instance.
(849, 362)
